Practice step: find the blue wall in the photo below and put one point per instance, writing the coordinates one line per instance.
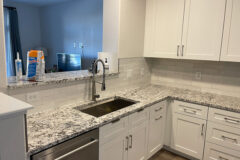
(69, 22)
(29, 26)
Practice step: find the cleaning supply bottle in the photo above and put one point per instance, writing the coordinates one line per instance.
(18, 66)
(32, 63)
(42, 68)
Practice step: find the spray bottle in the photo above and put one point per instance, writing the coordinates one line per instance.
(18, 66)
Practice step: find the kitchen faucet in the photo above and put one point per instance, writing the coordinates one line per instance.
(103, 88)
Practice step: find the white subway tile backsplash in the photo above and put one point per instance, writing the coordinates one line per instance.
(63, 94)
(216, 77)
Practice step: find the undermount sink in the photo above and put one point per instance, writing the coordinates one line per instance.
(99, 109)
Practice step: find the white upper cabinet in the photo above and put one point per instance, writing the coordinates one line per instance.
(203, 28)
(186, 29)
(163, 30)
(231, 36)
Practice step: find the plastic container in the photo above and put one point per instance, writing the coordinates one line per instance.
(18, 66)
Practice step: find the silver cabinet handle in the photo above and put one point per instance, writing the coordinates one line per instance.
(76, 150)
(178, 47)
(231, 120)
(131, 140)
(222, 158)
(159, 109)
(202, 132)
(182, 50)
(190, 111)
(233, 139)
(158, 118)
(127, 139)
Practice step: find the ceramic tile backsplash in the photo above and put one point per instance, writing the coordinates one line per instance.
(133, 72)
(215, 77)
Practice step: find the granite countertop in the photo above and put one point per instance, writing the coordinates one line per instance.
(54, 78)
(48, 128)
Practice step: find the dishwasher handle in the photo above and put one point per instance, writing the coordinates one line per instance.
(76, 150)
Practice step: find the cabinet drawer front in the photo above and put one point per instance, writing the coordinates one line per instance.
(112, 130)
(215, 152)
(223, 135)
(190, 109)
(224, 117)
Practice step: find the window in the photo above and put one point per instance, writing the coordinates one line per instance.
(9, 57)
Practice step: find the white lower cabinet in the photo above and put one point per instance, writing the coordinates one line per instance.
(114, 149)
(188, 135)
(156, 128)
(12, 137)
(125, 139)
(138, 142)
(191, 127)
(138, 130)
(112, 140)
(223, 135)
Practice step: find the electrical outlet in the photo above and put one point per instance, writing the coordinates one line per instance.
(198, 76)
(30, 97)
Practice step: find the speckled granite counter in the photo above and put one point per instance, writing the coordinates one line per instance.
(48, 128)
(54, 78)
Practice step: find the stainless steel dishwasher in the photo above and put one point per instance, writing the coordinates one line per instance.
(83, 147)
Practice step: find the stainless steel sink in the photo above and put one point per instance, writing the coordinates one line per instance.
(102, 108)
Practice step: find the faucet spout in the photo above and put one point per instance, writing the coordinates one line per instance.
(103, 88)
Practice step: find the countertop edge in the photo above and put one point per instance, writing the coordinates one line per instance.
(13, 86)
(32, 152)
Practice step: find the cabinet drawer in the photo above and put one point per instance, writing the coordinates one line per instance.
(224, 117)
(190, 109)
(223, 135)
(215, 152)
(158, 108)
(112, 130)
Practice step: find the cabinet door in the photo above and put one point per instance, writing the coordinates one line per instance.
(12, 138)
(163, 30)
(203, 28)
(231, 36)
(138, 142)
(113, 141)
(115, 149)
(188, 135)
(138, 131)
(156, 129)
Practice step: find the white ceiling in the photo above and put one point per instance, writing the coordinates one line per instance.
(38, 2)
